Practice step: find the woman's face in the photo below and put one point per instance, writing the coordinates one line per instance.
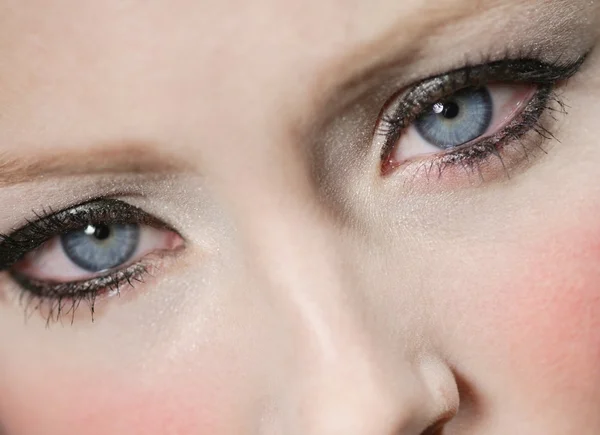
(319, 217)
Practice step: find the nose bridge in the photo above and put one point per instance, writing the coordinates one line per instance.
(304, 272)
(339, 380)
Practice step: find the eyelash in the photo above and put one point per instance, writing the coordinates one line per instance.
(60, 299)
(420, 98)
(64, 299)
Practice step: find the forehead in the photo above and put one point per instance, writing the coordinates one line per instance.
(212, 38)
(171, 65)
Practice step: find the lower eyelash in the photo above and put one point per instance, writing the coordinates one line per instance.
(57, 301)
(471, 157)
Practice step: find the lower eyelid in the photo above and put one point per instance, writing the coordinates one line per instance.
(91, 305)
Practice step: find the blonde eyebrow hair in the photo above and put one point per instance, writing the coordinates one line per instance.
(131, 158)
(364, 63)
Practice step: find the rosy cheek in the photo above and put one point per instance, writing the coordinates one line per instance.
(543, 322)
(102, 405)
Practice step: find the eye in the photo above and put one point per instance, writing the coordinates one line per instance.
(81, 253)
(465, 118)
(92, 251)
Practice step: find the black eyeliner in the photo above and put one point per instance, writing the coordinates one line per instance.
(430, 91)
(14, 246)
(57, 299)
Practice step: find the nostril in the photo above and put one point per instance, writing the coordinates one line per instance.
(437, 427)
(442, 403)
(434, 429)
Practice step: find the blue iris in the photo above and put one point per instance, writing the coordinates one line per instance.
(465, 116)
(100, 247)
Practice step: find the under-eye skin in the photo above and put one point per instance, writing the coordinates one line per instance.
(455, 118)
(63, 258)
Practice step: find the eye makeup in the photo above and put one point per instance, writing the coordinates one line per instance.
(65, 296)
(404, 109)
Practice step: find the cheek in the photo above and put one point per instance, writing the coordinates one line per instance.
(561, 298)
(554, 317)
(538, 320)
(84, 404)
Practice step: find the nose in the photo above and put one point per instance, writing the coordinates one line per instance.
(352, 395)
(344, 377)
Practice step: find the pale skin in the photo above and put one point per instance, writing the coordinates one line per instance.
(307, 293)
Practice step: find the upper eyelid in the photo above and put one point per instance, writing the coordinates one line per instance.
(395, 75)
(400, 69)
(516, 70)
(48, 224)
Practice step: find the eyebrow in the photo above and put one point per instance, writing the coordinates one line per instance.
(350, 76)
(130, 158)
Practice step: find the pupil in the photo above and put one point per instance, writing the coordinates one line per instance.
(102, 232)
(451, 110)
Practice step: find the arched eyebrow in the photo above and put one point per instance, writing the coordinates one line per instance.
(114, 158)
(401, 44)
(401, 41)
